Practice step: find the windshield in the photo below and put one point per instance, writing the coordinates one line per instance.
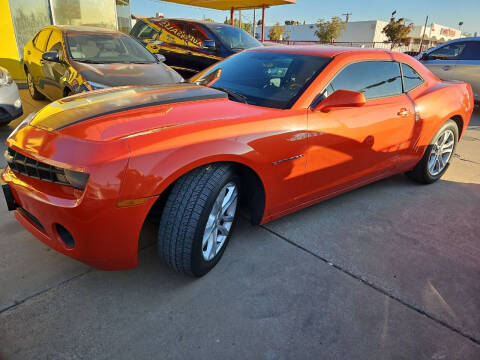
(269, 79)
(107, 48)
(234, 38)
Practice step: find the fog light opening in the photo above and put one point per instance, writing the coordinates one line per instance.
(65, 236)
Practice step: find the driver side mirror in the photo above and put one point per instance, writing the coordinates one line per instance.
(160, 58)
(209, 44)
(341, 98)
(51, 56)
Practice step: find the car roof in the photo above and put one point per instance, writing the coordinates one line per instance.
(473, 38)
(318, 50)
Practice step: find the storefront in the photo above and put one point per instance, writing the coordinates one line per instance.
(21, 19)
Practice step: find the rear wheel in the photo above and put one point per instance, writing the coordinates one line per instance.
(34, 93)
(437, 156)
(198, 219)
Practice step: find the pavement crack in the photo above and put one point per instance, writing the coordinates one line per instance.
(379, 289)
(456, 156)
(19, 302)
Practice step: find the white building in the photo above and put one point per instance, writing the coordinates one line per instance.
(368, 33)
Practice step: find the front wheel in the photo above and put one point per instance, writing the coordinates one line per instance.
(32, 89)
(198, 219)
(437, 156)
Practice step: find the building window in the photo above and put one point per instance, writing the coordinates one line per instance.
(123, 16)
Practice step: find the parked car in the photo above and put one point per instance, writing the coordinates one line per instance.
(457, 59)
(63, 60)
(274, 128)
(10, 102)
(189, 45)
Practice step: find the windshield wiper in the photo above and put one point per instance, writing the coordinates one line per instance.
(88, 61)
(233, 94)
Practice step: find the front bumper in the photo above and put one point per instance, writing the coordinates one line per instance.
(106, 236)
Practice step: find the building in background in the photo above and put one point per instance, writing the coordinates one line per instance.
(21, 19)
(369, 34)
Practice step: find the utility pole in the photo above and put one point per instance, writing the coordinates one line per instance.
(347, 16)
(254, 23)
(240, 18)
(460, 26)
(423, 36)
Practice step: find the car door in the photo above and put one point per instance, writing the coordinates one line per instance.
(349, 146)
(443, 60)
(35, 56)
(54, 72)
(467, 66)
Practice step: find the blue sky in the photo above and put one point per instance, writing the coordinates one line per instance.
(444, 12)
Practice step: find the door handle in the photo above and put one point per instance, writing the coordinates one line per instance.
(403, 112)
(446, 67)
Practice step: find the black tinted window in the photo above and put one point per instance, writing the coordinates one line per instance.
(411, 79)
(471, 51)
(448, 52)
(372, 78)
(41, 40)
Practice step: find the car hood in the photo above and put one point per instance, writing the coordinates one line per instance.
(127, 74)
(114, 113)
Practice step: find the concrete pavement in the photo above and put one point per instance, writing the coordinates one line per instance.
(389, 271)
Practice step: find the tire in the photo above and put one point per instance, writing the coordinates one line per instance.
(32, 89)
(191, 209)
(423, 172)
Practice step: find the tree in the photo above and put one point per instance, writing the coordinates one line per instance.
(330, 30)
(396, 31)
(276, 32)
(245, 26)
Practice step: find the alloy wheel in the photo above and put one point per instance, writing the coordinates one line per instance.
(220, 221)
(441, 152)
(31, 89)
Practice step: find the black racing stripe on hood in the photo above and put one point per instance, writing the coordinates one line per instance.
(73, 110)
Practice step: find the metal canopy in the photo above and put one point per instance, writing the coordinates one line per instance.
(236, 4)
(233, 5)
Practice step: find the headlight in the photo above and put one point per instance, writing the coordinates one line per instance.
(94, 85)
(24, 123)
(5, 77)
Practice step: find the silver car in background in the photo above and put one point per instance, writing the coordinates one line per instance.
(457, 59)
(10, 102)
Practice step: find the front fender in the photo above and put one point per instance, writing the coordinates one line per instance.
(149, 174)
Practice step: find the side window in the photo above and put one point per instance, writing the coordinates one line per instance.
(411, 79)
(374, 79)
(55, 40)
(41, 40)
(196, 35)
(471, 51)
(448, 52)
(143, 31)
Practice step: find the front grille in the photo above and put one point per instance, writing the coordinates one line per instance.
(27, 166)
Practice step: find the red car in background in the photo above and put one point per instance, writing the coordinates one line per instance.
(277, 129)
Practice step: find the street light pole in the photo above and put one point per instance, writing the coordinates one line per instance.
(423, 36)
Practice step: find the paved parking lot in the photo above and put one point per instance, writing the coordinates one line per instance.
(389, 271)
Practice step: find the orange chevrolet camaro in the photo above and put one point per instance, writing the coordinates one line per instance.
(276, 129)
